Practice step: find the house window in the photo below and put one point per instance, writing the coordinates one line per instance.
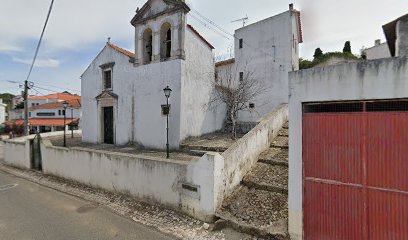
(29, 114)
(165, 37)
(241, 43)
(251, 105)
(45, 114)
(107, 79)
(241, 76)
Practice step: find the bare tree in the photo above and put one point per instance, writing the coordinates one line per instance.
(236, 87)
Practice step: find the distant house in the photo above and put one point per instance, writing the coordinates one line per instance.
(49, 117)
(2, 111)
(379, 50)
(46, 113)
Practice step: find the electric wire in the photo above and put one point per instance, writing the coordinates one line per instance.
(39, 42)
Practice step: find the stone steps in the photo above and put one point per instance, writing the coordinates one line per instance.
(259, 205)
(257, 212)
(275, 156)
(273, 178)
(281, 142)
(284, 132)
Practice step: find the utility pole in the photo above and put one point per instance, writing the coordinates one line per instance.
(26, 131)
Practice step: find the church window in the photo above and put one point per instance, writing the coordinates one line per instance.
(165, 43)
(147, 45)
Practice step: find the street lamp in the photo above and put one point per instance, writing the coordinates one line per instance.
(167, 92)
(65, 106)
(72, 122)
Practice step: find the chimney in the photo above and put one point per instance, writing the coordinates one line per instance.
(377, 42)
(291, 7)
(401, 43)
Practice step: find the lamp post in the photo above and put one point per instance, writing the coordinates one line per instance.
(65, 106)
(72, 122)
(167, 92)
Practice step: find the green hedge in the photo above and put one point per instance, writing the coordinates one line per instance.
(305, 64)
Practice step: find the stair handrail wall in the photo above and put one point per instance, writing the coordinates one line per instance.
(244, 154)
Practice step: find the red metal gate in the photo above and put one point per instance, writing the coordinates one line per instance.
(356, 170)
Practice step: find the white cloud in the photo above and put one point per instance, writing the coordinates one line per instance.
(45, 62)
(77, 24)
(5, 47)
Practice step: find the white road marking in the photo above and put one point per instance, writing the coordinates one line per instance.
(7, 187)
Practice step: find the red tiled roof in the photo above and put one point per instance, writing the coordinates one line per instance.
(54, 122)
(122, 50)
(200, 36)
(225, 62)
(76, 103)
(59, 96)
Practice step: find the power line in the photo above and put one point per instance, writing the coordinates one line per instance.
(232, 35)
(56, 87)
(213, 23)
(41, 94)
(209, 27)
(26, 87)
(39, 42)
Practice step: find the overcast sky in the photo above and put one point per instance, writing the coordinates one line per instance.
(78, 30)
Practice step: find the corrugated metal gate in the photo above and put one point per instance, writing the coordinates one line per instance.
(355, 158)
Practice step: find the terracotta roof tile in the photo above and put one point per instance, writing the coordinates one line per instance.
(59, 96)
(200, 36)
(55, 122)
(75, 103)
(225, 62)
(122, 50)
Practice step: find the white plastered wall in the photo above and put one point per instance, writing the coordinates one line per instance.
(377, 79)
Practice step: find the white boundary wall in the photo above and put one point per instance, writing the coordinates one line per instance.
(242, 155)
(167, 182)
(377, 79)
(17, 150)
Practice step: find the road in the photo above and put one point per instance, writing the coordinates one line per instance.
(31, 212)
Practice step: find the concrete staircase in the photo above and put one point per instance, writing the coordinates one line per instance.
(259, 206)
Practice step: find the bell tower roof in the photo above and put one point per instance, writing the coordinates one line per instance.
(154, 8)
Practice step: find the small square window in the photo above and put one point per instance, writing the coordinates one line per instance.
(251, 105)
(241, 76)
(107, 79)
(241, 43)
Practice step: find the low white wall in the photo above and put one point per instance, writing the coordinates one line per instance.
(377, 79)
(17, 154)
(241, 156)
(17, 150)
(189, 187)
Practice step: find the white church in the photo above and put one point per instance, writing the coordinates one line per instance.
(122, 92)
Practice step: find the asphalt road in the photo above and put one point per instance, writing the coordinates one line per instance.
(29, 212)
